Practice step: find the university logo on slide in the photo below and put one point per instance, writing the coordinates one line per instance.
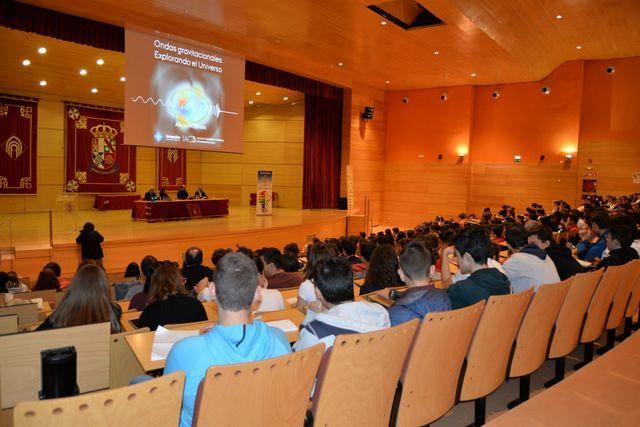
(103, 146)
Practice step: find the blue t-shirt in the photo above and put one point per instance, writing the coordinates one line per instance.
(223, 345)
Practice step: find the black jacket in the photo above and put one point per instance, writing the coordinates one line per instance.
(566, 264)
(90, 244)
(173, 309)
(479, 286)
(194, 273)
(618, 257)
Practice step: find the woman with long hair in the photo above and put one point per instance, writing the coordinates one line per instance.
(140, 300)
(168, 300)
(382, 271)
(85, 302)
(47, 280)
(307, 289)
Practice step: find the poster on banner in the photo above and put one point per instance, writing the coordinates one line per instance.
(263, 195)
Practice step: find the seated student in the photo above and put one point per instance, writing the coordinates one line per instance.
(14, 284)
(151, 195)
(589, 251)
(139, 296)
(366, 249)
(566, 264)
(421, 297)
(183, 194)
(200, 194)
(85, 302)
(131, 279)
(47, 280)
(4, 277)
(496, 234)
(619, 240)
(335, 312)
(290, 263)
(529, 266)
(472, 249)
(217, 255)
(169, 302)
(274, 270)
(382, 271)
(193, 271)
(163, 194)
(307, 289)
(235, 338)
(349, 245)
(58, 271)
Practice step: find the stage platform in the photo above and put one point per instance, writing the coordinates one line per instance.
(127, 240)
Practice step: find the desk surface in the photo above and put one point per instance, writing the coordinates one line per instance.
(142, 343)
(605, 392)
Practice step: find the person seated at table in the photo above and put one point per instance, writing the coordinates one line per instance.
(163, 194)
(14, 284)
(200, 194)
(182, 193)
(131, 279)
(217, 255)
(274, 270)
(139, 295)
(169, 302)
(565, 263)
(307, 289)
(47, 280)
(236, 338)
(85, 302)
(619, 240)
(151, 195)
(587, 250)
(58, 271)
(335, 311)
(421, 297)
(382, 271)
(472, 249)
(193, 271)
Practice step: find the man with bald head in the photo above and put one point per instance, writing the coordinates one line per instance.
(193, 270)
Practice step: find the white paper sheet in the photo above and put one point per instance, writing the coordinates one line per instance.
(164, 339)
(285, 325)
(293, 301)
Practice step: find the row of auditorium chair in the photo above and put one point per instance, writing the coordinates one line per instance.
(408, 375)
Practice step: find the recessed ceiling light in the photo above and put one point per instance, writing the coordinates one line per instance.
(383, 23)
(83, 72)
(558, 16)
(250, 101)
(578, 47)
(340, 64)
(100, 61)
(387, 81)
(473, 74)
(26, 62)
(258, 93)
(436, 52)
(122, 79)
(94, 90)
(42, 50)
(285, 98)
(43, 82)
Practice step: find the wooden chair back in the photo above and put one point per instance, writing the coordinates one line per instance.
(533, 337)
(430, 376)
(628, 278)
(362, 372)
(634, 298)
(490, 349)
(20, 364)
(124, 304)
(9, 324)
(600, 304)
(123, 363)
(569, 322)
(27, 313)
(155, 402)
(275, 392)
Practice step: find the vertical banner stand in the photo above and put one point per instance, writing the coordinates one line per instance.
(263, 195)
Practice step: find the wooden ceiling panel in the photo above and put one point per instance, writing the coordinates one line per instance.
(501, 41)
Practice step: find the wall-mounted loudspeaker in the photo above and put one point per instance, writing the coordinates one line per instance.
(367, 114)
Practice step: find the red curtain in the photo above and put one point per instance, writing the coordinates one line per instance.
(172, 168)
(322, 151)
(18, 145)
(97, 161)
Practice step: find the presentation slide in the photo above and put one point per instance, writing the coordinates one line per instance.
(182, 96)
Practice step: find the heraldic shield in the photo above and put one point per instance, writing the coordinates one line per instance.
(103, 146)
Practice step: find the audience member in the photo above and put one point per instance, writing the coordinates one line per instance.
(421, 297)
(4, 277)
(217, 255)
(274, 270)
(131, 280)
(193, 270)
(90, 243)
(14, 284)
(382, 271)
(619, 240)
(307, 289)
(235, 338)
(589, 251)
(140, 297)
(529, 266)
(169, 302)
(58, 271)
(47, 280)
(566, 264)
(335, 312)
(85, 302)
(472, 249)
(270, 299)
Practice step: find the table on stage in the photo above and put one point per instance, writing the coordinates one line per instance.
(167, 210)
(114, 202)
(142, 343)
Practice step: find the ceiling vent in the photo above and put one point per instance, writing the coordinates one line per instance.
(406, 14)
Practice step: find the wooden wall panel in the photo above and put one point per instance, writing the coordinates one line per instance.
(614, 162)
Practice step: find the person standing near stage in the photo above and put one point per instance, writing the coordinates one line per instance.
(90, 242)
(182, 193)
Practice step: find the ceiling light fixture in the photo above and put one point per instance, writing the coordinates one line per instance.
(100, 61)
(251, 102)
(83, 72)
(383, 23)
(94, 90)
(43, 82)
(258, 93)
(578, 47)
(473, 74)
(26, 62)
(436, 52)
(42, 50)
(285, 98)
(122, 79)
(558, 16)
(340, 64)
(387, 81)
